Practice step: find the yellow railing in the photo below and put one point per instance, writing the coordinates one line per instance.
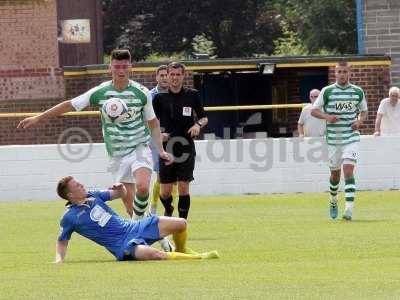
(207, 108)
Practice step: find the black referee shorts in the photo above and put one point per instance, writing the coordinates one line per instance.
(178, 171)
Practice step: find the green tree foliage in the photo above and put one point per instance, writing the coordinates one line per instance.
(232, 28)
(322, 25)
(201, 44)
(236, 28)
(289, 44)
(124, 24)
(135, 36)
(239, 28)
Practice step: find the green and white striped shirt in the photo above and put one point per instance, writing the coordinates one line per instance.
(121, 139)
(346, 103)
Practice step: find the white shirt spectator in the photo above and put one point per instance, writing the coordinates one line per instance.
(390, 122)
(307, 124)
(388, 117)
(312, 126)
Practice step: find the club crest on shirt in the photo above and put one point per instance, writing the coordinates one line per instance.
(99, 215)
(187, 111)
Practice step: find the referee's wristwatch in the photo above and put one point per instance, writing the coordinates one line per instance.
(198, 123)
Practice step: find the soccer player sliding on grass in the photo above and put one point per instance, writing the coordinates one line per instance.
(91, 217)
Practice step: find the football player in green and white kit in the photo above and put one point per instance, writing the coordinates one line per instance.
(344, 108)
(127, 141)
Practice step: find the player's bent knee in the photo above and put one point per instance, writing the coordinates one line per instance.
(142, 189)
(181, 224)
(335, 175)
(348, 167)
(178, 224)
(165, 194)
(171, 225)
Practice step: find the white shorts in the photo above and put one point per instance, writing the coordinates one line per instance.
(346, 154)
(123, 168)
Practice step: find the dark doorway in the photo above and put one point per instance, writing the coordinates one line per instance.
(234, 88)
(312, 80)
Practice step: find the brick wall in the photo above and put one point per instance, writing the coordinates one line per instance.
(293, 93)
(47, 133)
(382, 32)
(29, 67)
(375, 81)
(50, 132)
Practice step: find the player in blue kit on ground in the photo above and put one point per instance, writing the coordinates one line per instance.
(89, 215)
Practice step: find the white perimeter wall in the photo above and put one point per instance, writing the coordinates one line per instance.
(223, 167)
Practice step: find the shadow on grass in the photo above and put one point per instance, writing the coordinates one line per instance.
(364, 221)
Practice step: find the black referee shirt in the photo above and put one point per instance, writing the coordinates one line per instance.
(177, 111)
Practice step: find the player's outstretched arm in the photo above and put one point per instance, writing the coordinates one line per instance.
(118, 190)
(55, 111)
(61, 251)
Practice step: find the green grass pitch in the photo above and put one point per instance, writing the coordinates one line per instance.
(271, 247)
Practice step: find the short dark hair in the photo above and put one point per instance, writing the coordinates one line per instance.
(62, 187)
(161, 68)
(342, 63)
(121, 54)
(176, 65)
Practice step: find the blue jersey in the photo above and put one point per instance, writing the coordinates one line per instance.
(153, 92)
(96, 221)
(154, 152)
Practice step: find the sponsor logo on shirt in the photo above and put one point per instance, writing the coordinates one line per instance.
(99, 215)
(130, 114)
(344, 106)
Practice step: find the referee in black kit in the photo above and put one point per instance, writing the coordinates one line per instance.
(182, 117)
